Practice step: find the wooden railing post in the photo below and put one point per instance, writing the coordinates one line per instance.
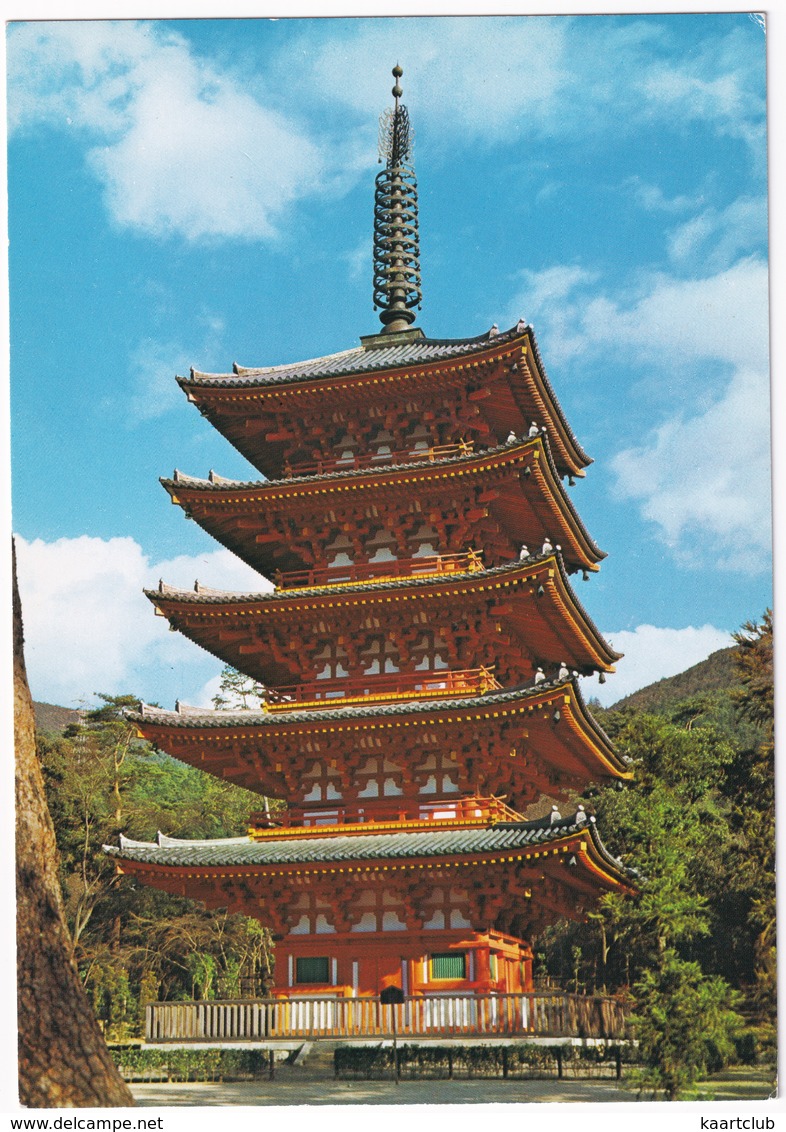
(396, 1065)
(548, 1015)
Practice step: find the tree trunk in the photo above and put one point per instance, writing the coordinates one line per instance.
(63, 1060)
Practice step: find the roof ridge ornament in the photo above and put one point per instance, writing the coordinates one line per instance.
(396, 241)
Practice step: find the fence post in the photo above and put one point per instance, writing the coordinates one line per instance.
(618, 1061)
(559, 1061)
(396, 1066)
(504, 1061)
(271, 1064)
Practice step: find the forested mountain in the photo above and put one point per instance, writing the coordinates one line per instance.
(718, 673)
(53, 720)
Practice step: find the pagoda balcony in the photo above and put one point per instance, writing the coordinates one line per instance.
(536, 1014)
(387, 686)
(327, 464)
(320, 819)
(426, 566)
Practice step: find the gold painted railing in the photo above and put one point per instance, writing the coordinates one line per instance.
(451, 1015)
(467, 809)
(376, 459)
(469, 562)
(424, 683)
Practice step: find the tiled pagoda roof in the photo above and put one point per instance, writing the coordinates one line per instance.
(180, 725)
(359, 359)
(220, 484)
(231, 852)
(377, 355)
(293, 602)
(187, 717)
(202, 595)
(501, 456)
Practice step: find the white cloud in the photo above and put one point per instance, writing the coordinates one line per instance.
(718, 83)
(182, 148)
(705, 480)
(153, 364)
(481, 78)
(652, 654)
(716, 237)
(716, 316)
(652, 197)
(204, 697)
(703, 473)
(359, 259)
(202, 158)
(89, 628)
(492, 79)
(202, 149)
(549, 299)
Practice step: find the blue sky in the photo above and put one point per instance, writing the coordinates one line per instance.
(200, 192)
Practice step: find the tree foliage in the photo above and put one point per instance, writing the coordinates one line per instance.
(685, 1024)
(697, 822)
(237, 690)
(134, 944)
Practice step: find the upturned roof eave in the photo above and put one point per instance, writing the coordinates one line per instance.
(298, 373)
(153, 722)
(581, 456)
(411, 587)
(480, 462)
(330, 366)
(368, 849)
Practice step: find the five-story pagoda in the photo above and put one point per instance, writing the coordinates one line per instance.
(419, 651)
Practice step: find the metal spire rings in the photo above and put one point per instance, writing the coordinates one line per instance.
(396, 244)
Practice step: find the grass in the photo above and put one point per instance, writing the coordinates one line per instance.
(739, 1083)
(736, 1083)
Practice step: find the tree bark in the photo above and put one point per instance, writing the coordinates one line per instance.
(63, 1059)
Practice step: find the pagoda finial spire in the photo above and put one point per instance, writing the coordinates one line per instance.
(396, 245)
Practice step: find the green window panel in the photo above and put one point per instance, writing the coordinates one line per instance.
(312, 970)
(449, 965)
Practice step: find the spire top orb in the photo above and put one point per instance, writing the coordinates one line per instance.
(396, 240)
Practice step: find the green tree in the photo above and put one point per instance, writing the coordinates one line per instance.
(135, 943)
(237, 691)
(685, 1024)
(671, 826)
(751, 789)
(86, 772)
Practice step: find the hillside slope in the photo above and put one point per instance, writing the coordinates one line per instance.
(53, 720)
(718, 673)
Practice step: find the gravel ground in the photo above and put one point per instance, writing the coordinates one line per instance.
(299, 1092)
(289, 1088)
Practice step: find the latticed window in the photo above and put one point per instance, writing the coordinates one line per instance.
(310, 969)
(449, 965)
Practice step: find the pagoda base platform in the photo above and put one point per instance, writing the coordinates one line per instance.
(395, 964)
